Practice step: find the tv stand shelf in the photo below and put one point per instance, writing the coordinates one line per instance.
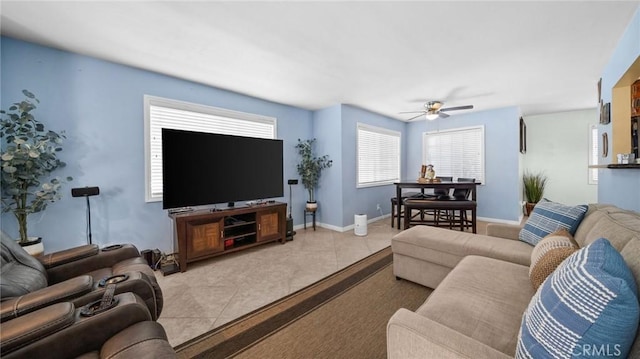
(204, 234)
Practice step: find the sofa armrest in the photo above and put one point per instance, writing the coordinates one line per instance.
(61, 292)
(411, 335)
(508, 231)
(105, 258)
(68, 255)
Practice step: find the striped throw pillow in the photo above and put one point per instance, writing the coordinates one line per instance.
(549, 253)
(548, 217)
(590, 303)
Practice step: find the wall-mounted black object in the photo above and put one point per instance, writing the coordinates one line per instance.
(86, 192)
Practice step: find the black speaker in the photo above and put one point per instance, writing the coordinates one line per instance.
(85, 191)
(290, 232)
(292, 181)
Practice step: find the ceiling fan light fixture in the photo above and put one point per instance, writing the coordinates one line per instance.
(431, 116)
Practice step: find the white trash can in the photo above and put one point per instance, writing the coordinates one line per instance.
(360, 225)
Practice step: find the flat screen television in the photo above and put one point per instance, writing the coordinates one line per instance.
(205, 168)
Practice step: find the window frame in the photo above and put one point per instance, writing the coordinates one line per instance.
(594, 150)
(481, 128)
(382, 131)
(191, 107)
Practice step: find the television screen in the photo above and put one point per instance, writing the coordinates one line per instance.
(205, 168)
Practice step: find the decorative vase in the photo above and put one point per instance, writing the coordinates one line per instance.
(33, 246)
(529, 208)
(312, 206)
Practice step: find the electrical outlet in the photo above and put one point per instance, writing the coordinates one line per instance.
(378, 207)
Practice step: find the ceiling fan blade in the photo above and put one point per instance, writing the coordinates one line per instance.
(412, 112)
(467, 107)
(442, 114)
(414, 117)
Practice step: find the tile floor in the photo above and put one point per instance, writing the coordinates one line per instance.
(215, 291)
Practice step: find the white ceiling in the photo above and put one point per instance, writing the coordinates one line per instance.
(383, 56)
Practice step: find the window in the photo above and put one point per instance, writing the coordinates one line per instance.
(593, 153)
(165, 113)
(378, 156)
(457, 152)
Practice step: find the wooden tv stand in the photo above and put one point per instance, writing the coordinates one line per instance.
(208, 233)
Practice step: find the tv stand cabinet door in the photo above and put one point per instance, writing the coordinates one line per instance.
(269, 224)
(204, 238)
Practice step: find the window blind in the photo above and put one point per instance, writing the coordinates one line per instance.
(165, 113)
(378, 156)
(456, 152)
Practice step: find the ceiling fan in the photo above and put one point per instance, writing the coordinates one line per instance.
(433, 110)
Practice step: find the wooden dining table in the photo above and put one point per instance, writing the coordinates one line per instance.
(441, 184)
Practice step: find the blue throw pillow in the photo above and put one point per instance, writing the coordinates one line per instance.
(588, 307)
(547, 217)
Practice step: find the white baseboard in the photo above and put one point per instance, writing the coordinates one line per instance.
(503, 221)
(351, 226)
(337, 228)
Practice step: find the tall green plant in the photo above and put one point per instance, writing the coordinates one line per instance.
(534, 184)
(310, 167)
(29, 155)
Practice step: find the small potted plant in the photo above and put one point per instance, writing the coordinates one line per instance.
(534, 184)
(310, 168)
(29, 155)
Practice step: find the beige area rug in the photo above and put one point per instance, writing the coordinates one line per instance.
(341, 316)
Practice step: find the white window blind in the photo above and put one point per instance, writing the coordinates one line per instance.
(593, 153)
(378, 156)
(457, 152)
(165, 113)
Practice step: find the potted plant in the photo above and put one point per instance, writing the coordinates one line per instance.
(534, 184)
(309, 169)
(29, 156)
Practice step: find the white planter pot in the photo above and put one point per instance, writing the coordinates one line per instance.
(312, 206)
(34, 247)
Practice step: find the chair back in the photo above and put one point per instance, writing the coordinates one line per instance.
(463, 193)
(443, 191)
(20, 272)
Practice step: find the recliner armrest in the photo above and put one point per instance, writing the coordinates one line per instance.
(68, 255)
(61, 292)
(103, 259)
(35, 326)
(84, 335)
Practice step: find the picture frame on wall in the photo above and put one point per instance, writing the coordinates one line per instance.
(523, 136)
(605, 113)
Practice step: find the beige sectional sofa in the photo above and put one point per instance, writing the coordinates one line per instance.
(482, 285)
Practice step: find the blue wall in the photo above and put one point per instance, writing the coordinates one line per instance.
(100, 106)
(620, 187)
(498, 196)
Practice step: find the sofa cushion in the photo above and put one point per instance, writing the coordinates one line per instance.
(483, 299)
(548, 254)
(590, 301)
(548, 217)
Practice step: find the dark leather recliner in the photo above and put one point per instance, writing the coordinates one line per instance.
(61, 330)
(74, 275)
